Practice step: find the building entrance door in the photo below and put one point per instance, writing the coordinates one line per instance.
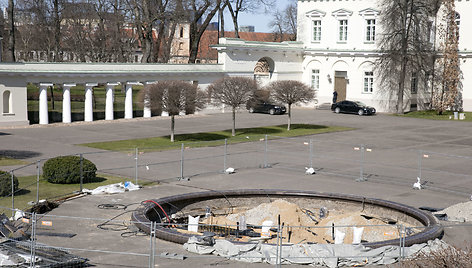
(340, 84)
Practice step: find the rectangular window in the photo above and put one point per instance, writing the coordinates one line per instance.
(317, 30)
(315, 79)
(414, 83)
(368, 82)
(370, 30)
(342, 30)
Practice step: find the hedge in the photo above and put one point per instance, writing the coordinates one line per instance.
(66, 170)
(5, 183)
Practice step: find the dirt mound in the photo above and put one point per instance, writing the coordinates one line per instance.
(303, 226)
(461, 212)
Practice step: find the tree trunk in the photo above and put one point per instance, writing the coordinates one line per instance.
(233, 131)
(10, 57)
(172, 125)
(57, 32)
(289, 116)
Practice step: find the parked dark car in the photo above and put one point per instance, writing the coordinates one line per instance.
(353, 107)
(264, 107)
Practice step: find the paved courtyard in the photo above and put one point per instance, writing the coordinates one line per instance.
(391, 168)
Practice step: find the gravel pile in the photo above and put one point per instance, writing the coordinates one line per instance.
(461, 212)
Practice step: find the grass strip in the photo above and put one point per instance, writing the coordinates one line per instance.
(217, 138)
(52, 191)
(433, 115)
(7, 161)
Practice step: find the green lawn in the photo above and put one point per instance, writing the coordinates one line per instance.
(216, 138)
(7, 161)
(448, 115)
(53, 191)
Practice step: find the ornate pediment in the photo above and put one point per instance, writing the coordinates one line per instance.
(369, 12)
(341, 13)
(315, 13)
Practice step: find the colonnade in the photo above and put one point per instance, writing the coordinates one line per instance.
(88, 105)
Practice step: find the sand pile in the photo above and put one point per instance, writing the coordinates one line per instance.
(461, 212)
(303, 226)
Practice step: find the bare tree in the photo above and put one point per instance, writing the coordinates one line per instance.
(449, 95)
(405, 44)
(202, 12)
(173, 97)
(238, 6)
(234, 92)
(284, 22)
(291, 92)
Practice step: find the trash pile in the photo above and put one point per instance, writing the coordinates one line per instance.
(461, 212)
(305, 226)
(113, 188)
(329, 255)
(15, 247)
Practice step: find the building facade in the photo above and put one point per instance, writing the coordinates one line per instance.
(337, 49)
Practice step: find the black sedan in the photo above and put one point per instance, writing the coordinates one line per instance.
(354, 107)
(264, 107)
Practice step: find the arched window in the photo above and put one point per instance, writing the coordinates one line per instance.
(181, 32)
(7, 102)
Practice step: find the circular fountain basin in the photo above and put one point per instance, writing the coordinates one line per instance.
(225, 202)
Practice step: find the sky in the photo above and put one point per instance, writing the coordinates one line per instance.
(260, 19)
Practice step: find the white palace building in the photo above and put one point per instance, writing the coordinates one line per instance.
(336, 49)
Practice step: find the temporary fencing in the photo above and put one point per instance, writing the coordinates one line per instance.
(437, 171)
(56, 239)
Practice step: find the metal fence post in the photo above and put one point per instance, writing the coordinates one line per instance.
(152, 238)
(420, 156)
(225, 153)
(265, 152)
(311, 153)
(81, 172)
(38, 170)
(12, 194)
(136, 166)
(33, 240)
(182, 162)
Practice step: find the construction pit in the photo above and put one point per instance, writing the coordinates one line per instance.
(304, 217)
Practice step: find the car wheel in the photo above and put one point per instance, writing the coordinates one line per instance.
(251, 110)
(272, 111)
(360, 112)
(337, 110)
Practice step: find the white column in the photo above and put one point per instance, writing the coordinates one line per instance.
(43, 103)
(88, 109)
(66, 111)
(129, 99)
(147, 103)
(110, 98)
